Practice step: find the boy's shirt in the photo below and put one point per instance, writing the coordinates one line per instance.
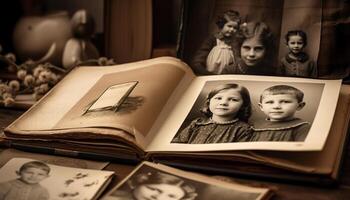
(292, 130)
(301, 66)
(17, 190)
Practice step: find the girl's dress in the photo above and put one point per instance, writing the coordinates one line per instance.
(206, 131)
(219, 57)
(199, 61)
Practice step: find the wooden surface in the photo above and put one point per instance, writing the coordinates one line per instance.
(282, 190)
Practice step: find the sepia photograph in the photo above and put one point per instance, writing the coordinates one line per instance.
(24, 178)
(159, 182)
(241, 112)
(251, 37)
(251, 111)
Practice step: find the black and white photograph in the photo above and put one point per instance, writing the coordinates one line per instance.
(251, 37)
(250, 111)
(241, 112)
(23, 178)
(159, 182)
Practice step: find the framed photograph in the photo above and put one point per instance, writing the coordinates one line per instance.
(251, 37)
(156, 181)
(113, 97)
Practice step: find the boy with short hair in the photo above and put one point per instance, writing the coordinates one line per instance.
(280, 103)
(26, 186)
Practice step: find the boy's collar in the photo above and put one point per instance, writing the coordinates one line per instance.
(265, 125)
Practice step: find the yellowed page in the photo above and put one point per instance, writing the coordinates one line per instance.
(64, 107)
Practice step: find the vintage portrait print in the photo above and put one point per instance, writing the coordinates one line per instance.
(269, 37)
(158, 182)
(240, 112)
(23, 178)
(251, 111)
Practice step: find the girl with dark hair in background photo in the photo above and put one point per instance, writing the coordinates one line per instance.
(297, 62)
(256, 50)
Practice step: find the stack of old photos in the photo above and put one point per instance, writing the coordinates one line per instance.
(156, 181)
(237, 120)
(24, 178)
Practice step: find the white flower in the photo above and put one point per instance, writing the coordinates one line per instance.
(6, 95)
(11, 57)
(14, 85)
(9, 102)
(21, 74)
(4, 88)
(44, 76)
(29, 80)
(38, 70)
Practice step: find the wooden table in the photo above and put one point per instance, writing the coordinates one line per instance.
(282, 190)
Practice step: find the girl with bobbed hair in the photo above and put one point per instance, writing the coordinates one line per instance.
(227, 109)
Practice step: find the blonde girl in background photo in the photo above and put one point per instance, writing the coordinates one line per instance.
(220, 50)
(227, 109)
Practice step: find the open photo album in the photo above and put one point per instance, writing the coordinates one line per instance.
(168, 114)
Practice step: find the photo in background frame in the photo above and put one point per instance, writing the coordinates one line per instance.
(199, 31)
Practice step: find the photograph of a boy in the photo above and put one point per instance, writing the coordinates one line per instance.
(297, 62)
(280, 103)
(219, 52)
(226, 112)
(27, 186)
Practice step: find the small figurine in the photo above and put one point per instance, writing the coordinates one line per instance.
(80, 48)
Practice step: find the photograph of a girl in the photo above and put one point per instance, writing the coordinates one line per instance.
(246, 36)
(155, 185)
(219, 52)
(150, 181)
(226, 111)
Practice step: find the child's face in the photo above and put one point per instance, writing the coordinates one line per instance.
(295, 44)
(229, 29)
(252, 51)
(280, 107)
(32, 175)
(158, 191)
(226, 103)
